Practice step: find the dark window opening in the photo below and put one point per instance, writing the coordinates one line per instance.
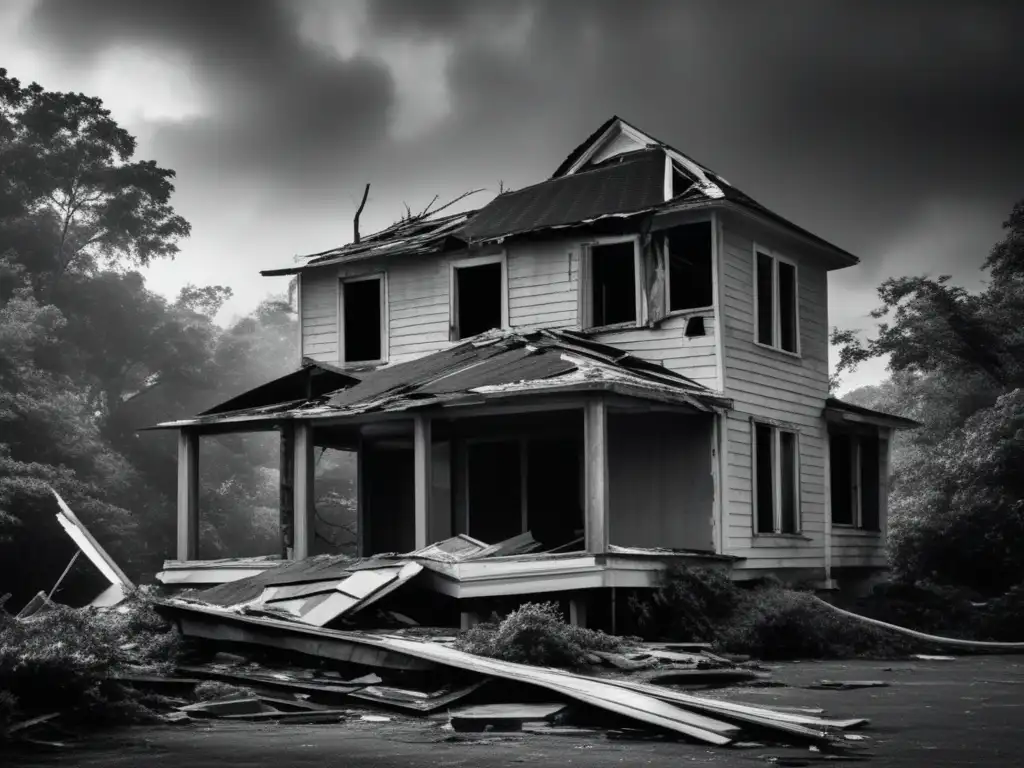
(841, 479)
(477, 299)
(680, 182)
(689, 267)
(494, 490)
(362, 321)
(613, 284)
(765, 301)
(789, 489)
(869, 483)
(764, 479)
(695, 327)
(787, 307)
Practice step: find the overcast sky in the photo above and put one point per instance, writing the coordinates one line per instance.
(893, 129)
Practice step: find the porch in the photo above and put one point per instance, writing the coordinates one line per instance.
(612, 474)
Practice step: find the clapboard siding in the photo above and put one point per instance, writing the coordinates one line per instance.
(543, 292)
(784, 389)
(668, 345)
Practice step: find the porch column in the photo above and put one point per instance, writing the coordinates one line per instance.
(422, 478)
(828, 509)
(595, 452)
(188, 494)
(287, 488)
(363, 545)
(303, 490)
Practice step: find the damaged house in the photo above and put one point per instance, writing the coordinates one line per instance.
(617, 368)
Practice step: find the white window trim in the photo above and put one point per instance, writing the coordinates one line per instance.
(385, 334)
(586, 294)
(776, 257)
(475, 261)
(668, 273)
(776, 450)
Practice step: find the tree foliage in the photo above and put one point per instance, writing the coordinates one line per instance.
(89, 355)
(957, 364)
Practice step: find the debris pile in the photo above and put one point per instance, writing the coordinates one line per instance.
(325, 640)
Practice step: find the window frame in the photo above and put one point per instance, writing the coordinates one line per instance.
(585, 294)
(856, 488)
(776, 450)
(776, 258)
(453, 288)
(668, 271)
(385, 334)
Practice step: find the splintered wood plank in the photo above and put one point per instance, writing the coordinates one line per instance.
(520, 712)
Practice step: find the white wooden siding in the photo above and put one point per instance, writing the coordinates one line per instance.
(668, 345)
(543, 292)
(775, 386)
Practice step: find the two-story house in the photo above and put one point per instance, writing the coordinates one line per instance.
(628, 360)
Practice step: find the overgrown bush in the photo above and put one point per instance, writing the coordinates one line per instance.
(774, 623)
(62, 659)
(687, 605)
(535, 633)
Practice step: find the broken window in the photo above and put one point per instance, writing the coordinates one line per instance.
(776, 480)
(478, 298)
(855, 474)
(776, 302)
(362, 313)
(689, 267)
(612, 297)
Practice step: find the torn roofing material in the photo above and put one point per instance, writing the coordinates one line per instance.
(628, 184)
(432, 234)
(496, 364)
(313, 379)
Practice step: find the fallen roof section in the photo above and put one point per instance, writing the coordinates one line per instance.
(495, 365)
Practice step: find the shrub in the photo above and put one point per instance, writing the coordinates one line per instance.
(535, 634)
(62, 658)
(687, 605)
(773, 623)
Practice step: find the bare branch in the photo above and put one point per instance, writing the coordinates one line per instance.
(359, 211)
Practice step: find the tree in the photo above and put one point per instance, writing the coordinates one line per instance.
(957, 364)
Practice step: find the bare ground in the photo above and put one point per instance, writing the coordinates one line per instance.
(957, 713)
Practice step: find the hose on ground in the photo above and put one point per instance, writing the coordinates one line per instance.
(987, 645)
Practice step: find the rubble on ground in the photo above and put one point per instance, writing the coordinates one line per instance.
(325, 641)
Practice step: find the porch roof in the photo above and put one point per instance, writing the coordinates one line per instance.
(493, 365)
(838, 411)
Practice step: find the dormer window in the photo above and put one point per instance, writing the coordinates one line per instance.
(610, 283)
(479, 300)
(363, 327)
(775, 301)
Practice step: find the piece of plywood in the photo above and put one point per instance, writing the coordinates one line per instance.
(362, 584)
(89, 546)
(522, 713)
(279, 594)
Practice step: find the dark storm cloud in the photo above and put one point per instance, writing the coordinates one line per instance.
(283, 108)
(849, 117)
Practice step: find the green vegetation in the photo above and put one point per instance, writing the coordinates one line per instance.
(535, 633)
(957, 364)
(64, 658)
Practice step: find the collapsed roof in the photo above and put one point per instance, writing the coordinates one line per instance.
(618, 172)
(494, 365)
